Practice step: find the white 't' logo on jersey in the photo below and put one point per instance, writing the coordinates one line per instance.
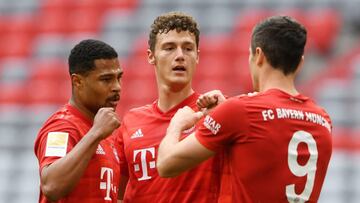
(107, 183)
(144, 163)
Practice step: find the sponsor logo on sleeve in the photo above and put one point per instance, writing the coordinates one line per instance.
(211, 124)
(56, 144)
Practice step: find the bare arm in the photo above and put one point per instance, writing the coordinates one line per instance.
(59, 178)
(175, 157)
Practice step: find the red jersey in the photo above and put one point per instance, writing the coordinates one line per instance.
(61, 132)
(140, 135)
(279, 145)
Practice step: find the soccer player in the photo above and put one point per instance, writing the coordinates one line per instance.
(173, 51)
(279, 141)
(77, 158)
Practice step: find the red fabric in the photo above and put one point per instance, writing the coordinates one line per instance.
(70, 120)
(200, 185)
(258, 141)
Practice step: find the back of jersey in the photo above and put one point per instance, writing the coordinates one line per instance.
(285, 149)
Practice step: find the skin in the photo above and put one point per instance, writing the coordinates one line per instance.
(175, 58)
(96, 95)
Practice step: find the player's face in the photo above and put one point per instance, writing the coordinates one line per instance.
(101, 87)
(175, 57)
(253, 70)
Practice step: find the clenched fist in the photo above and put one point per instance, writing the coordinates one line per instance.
(209, 100)
(105, 122)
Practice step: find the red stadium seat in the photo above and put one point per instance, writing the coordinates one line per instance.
(248, 19)
(242, 75)
(50, 70)
(121, 4)
(323, 28)
(214, 67)
(13, 93)
(83, 21)
(52, 22)
(15, 45)
(52, 5)
(136, 66)
(48, 92)
(214, 46)
(23, 24)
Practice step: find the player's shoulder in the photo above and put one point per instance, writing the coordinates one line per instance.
(318, 108)
(247, 96)
(62, 117)
(238, 101)
(138, 112)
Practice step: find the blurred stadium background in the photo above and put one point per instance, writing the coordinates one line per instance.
(37, 35)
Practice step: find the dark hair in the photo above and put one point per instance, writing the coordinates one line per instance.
(171, 21)
(282, 40)
(82, 56)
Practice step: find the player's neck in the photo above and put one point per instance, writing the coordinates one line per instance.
(170, 97)
(275, 79)
(79, 106)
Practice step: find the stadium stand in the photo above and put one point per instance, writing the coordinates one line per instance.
(36, 37)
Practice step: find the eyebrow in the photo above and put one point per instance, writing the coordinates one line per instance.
(111, 74)
(173, 43)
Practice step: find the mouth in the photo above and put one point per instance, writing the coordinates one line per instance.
(114, 100)
(179, 69)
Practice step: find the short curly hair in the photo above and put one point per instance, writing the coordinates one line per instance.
(173, 21)
(82, 56)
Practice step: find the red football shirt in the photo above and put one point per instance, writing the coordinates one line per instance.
(279, 145)
(140, 135)
(61, 132)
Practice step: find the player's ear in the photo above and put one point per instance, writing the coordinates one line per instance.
(198, 56)
(301, 63)
(260, 56)
(76, 80)
(151, 57)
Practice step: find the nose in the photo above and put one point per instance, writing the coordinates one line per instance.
(179, 54)
(116, 86)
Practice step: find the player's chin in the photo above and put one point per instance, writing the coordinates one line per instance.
(180, 80)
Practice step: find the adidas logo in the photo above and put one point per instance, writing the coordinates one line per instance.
(137, 134)
(100, 150)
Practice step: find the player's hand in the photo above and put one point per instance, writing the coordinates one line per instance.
(185, 118)
(105, 122)
(209, 100)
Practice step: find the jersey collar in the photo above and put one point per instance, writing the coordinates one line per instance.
(189, 101)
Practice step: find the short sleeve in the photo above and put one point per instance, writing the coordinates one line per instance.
(120, 141)
(226, 124)
(54, 141)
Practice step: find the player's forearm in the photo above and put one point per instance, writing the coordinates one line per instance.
(165, 152)
(60, 177)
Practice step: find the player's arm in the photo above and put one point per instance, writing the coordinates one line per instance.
(176, 156)
(58, 178)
